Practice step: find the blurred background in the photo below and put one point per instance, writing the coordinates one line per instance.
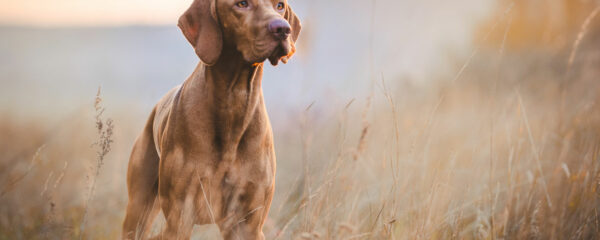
(465, 119)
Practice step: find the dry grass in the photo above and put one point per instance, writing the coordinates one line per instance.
(480, 162)
(508, 149)
(105, 131)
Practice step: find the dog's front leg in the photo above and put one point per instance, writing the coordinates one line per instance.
(242, 230)
(179, 215)
(177, 196)
(249, 218)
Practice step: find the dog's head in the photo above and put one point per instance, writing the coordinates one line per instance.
(257, 29)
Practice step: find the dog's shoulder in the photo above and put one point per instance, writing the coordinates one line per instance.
(162, 111)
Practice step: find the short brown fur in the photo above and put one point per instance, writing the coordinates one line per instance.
(206, 154)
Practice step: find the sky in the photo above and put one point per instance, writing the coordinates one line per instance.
(61, 13)
(345, 45)
(51, 13)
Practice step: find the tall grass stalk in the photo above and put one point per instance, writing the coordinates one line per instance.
(104, 129)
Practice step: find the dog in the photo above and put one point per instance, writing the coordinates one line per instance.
(206, 154)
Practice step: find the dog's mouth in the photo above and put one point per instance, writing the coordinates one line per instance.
(273, 51)
(283, 51)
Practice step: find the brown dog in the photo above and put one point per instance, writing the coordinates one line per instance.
(206, 154)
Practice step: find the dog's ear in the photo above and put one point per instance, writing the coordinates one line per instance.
(294, 22)
(200, 26)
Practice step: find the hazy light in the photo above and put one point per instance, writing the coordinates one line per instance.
(90, 12)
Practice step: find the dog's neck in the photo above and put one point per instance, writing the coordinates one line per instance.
(231, 88)
(232, 74)
(229, 78)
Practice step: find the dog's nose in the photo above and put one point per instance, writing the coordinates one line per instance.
(280, 29)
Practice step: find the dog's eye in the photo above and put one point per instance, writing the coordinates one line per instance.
(280, 6)
(242, 4)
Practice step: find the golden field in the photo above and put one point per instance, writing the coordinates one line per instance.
(503, 145)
